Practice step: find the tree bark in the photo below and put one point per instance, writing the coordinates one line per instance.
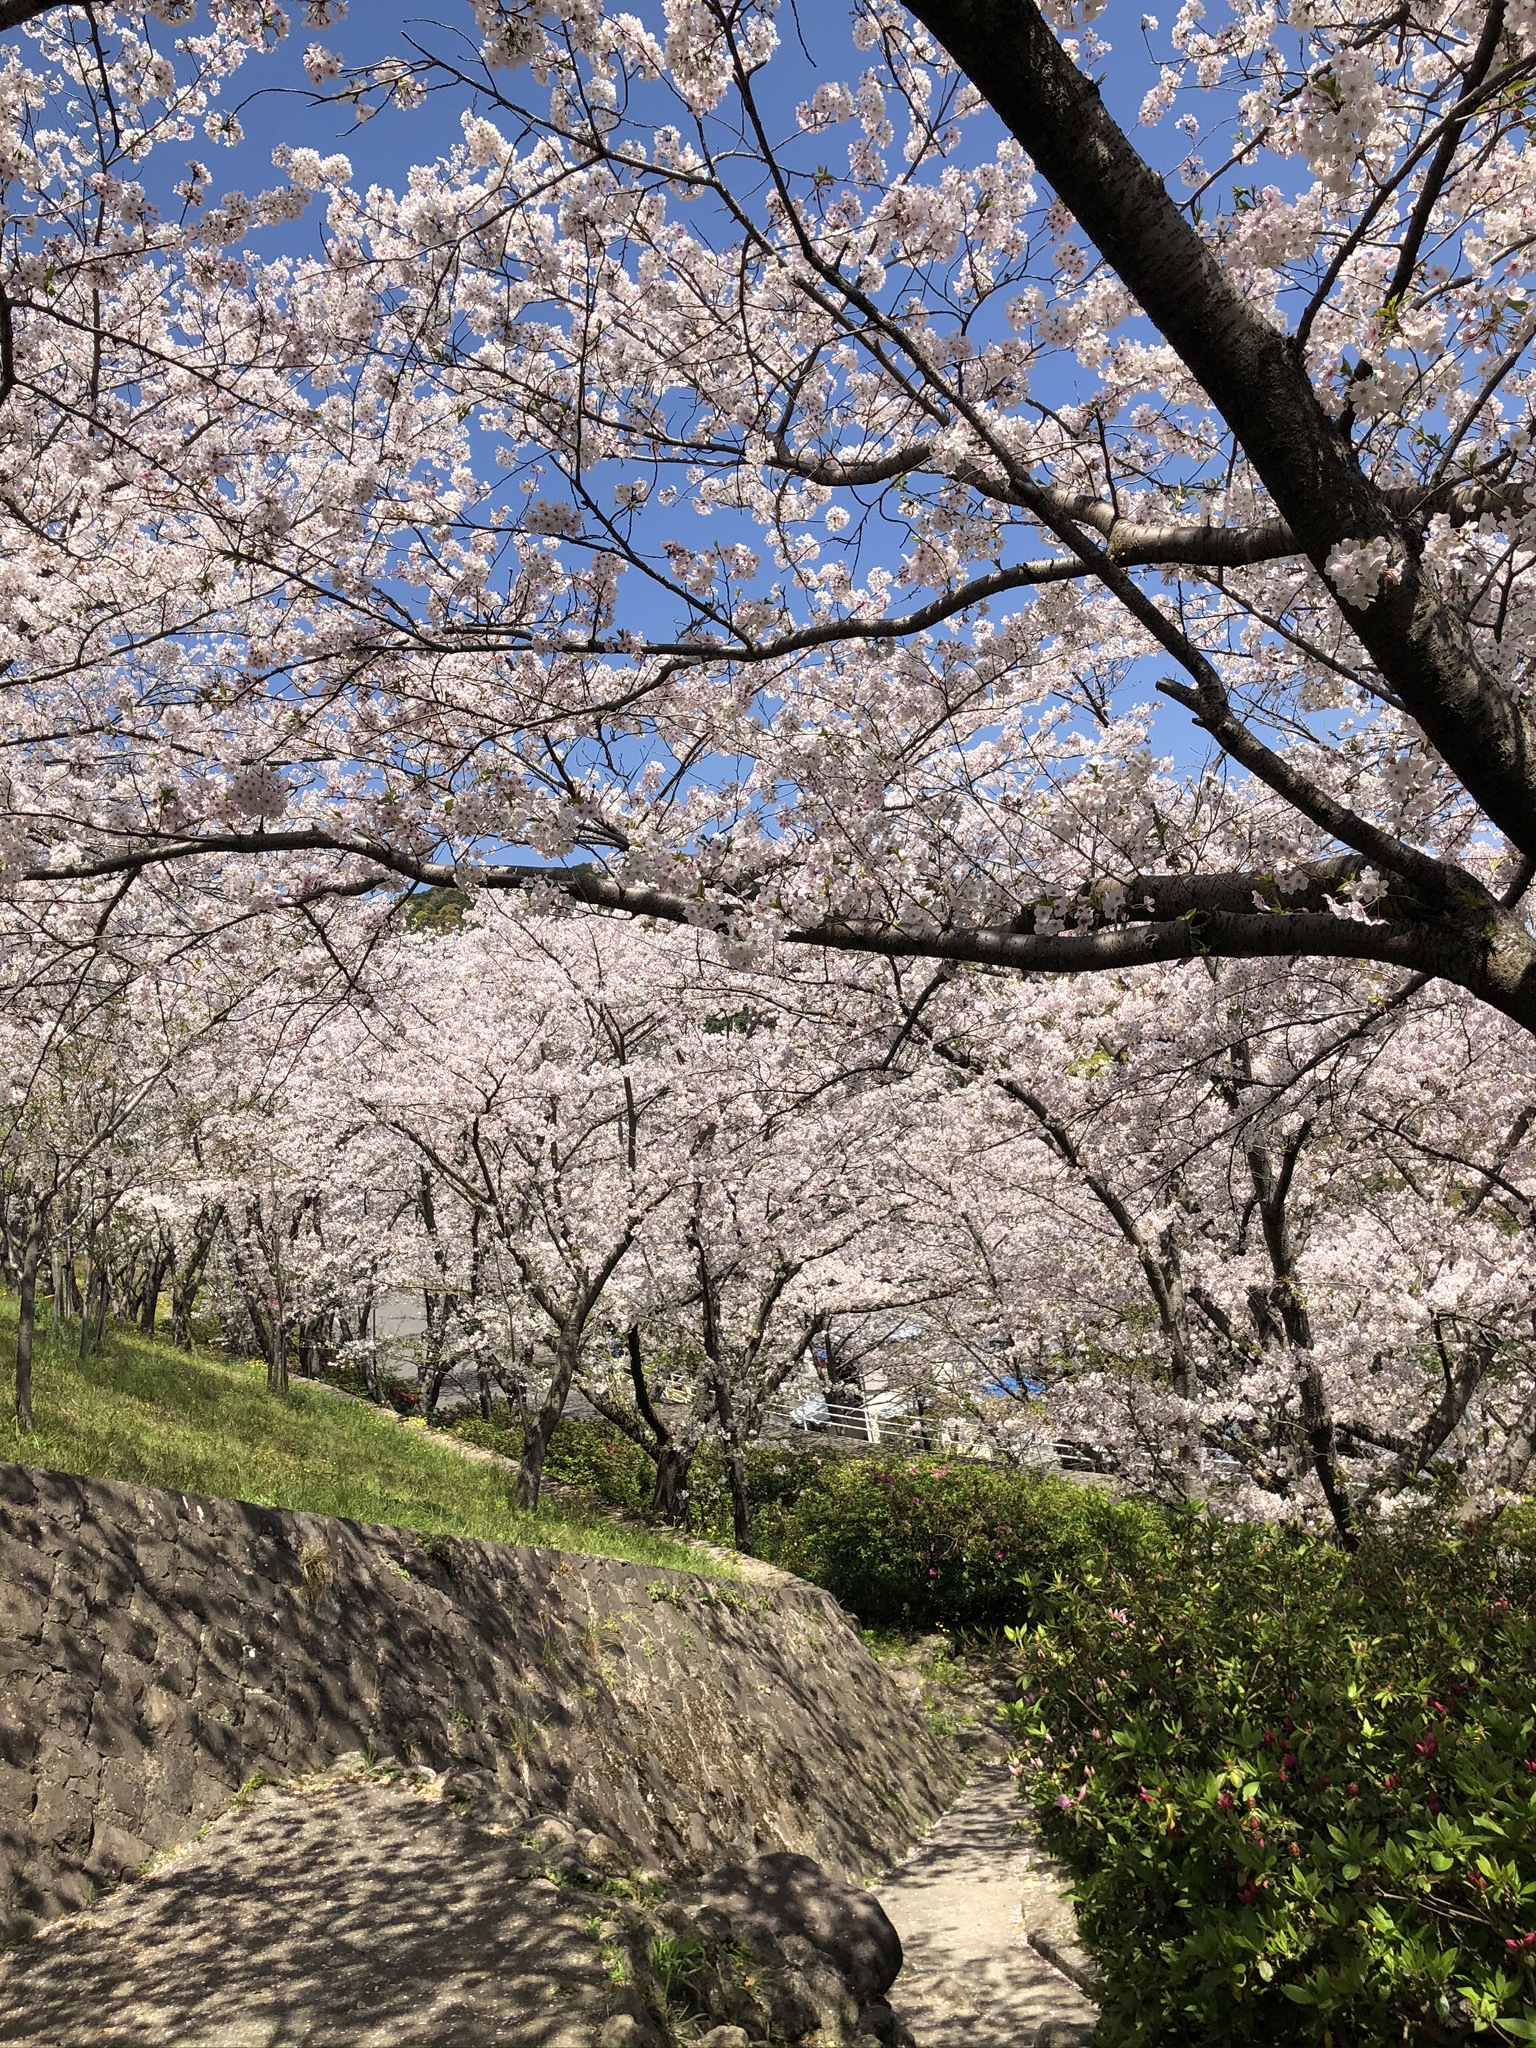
(539, 1430)
(277, 1352)
(669, 1495)
(26, 1317)
(1257, 381)
(186, 1282)
(1513, 1464)
(153, 1280)
(741, 1498)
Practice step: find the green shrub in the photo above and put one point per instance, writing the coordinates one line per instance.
(777, 1475)
(930, 1541)
(594, 1455)
(581, 1452)
(1296, 1791)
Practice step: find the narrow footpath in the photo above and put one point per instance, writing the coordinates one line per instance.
(968, 1904)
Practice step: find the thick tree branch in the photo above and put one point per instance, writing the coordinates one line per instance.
(1144, 543)
(17, 13)
(1444, 157)
(1258, 383)
(1165, 917)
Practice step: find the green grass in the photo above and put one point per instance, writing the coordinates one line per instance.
(141, 1411)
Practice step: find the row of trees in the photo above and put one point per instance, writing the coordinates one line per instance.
(840, 500)
(1246, 1236)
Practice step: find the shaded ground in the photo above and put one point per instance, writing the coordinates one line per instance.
(970, 1979)
(983, 1913)
(359, 1914)
(347, 1912)
(353, 1911)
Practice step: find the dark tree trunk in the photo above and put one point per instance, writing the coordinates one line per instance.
(669, 1496)
(1317, 1426)
(154, 1279)
(541, 1427)
(186, 1282)
(26, 1317)
(741, 1498)
(93, 1311)
(183, 1295)
(277, 1355)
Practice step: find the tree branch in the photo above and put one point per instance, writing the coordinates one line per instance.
(1259, 385)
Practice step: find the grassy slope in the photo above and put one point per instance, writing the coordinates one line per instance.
(142, 1411)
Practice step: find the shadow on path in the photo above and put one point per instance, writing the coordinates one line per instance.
(970, 1979)
(362, 1914)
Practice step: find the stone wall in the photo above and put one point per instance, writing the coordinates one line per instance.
(157, 1650)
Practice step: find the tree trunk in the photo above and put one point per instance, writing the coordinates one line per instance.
(26, 1318)
(669, 1496)
(373, 1385)
(185, 1284)
(541, 1427)
(1317, 1427)
(69, 1300)
(741, 1498)
(277, 1356)
(93, 1309)
(183, 1295)
(87, 1310)
(153, 1281)
(1511, 1466)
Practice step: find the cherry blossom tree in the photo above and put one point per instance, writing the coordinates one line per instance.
(533, 1078)
(996, 434)
(1219, 1237)
(785, 1223)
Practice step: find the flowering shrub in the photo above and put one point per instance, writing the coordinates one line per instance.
(777, 1475)
(1296, 1791)
(929, 1540)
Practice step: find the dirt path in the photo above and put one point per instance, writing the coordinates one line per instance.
(965, 1905)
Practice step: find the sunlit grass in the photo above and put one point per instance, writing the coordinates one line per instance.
(140, 1410)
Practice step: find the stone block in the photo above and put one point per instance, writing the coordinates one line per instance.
(114, 1853)
(24, 1593)
(121, 1794)
(20, 1729)
(156, 1561)
(126, 1637)
(781, 1895)
(72, 1649)
(61, 1818)
(166, 1715)
(1061, 1949)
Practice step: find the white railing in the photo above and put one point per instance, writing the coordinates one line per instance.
(850, 1426)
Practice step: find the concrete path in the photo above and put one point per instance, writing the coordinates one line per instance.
(965, 1904)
